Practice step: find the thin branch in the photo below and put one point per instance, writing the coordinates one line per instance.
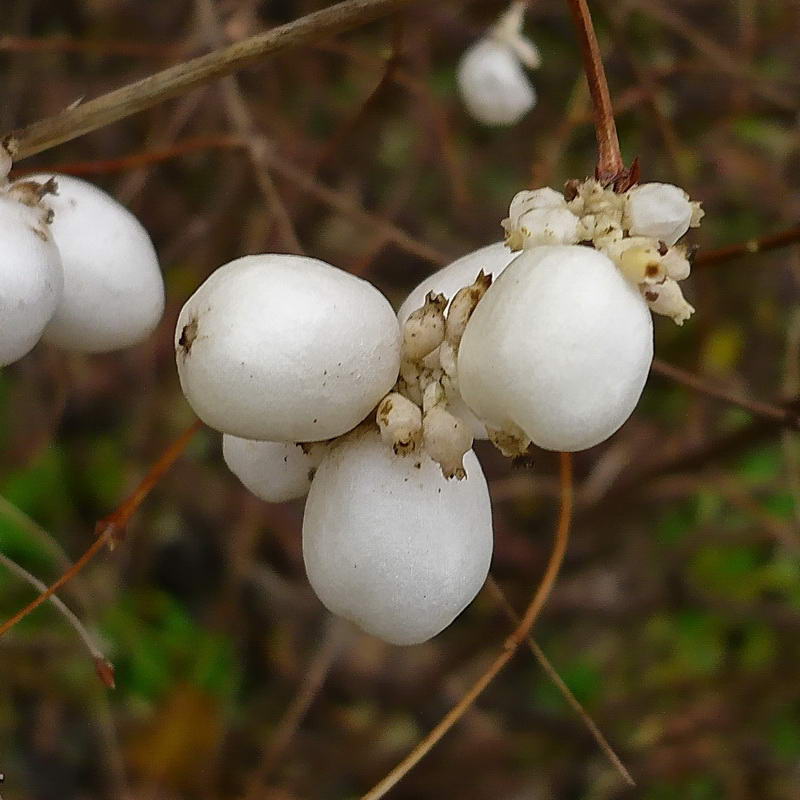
(110, 529)
(342, 203)
(509, 648)
(610, 166)
(562, 687)
(296, 711)
(150, 91)
(245, 126)
(103, 667)
(772, 241)
(785, 416)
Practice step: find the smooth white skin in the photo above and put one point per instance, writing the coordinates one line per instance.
(560, 345)
(493, 84)
(273, 471)
(660, 210)
(31, 279)
(492, 259)
(396, 549)
(113, 289)
(286, 349)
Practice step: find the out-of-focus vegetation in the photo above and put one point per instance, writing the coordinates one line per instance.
(676, 617)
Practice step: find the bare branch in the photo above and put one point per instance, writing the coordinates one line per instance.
(138, 96)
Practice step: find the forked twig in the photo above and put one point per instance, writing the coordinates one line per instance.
(566, 693)
(110, 529)
(103, 667)
(509, 648)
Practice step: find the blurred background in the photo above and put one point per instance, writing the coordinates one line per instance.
(676, 617)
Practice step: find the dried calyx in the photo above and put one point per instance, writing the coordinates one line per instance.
(638, 230)
(419, 413)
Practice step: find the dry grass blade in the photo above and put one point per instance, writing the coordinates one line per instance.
(509, 649)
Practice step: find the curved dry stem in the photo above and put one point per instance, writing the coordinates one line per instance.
(103, 666)
(111, 528)
(562, 687)
(176, 80)
(509, 649)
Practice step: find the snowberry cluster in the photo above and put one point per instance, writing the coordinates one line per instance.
(276, 350)
(491, 79)
(76, 269)
(320, 389)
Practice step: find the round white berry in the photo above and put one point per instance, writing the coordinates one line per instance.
(492, 259)
(274, 471)
(286, 348)
(659, 210)
(560, 347)
(390, 544)
(31, 278)
(493, 84)
(113, 289)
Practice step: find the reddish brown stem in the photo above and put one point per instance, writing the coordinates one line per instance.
(610, 167)
(110, 528)
(769, 242)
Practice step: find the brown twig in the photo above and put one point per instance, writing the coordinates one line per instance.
(110, 529)
(566, 693)
(103, 667)
(150, 91)
(510, 646)
(610, 167)
(244, 124)
(309, 687)
(772, 241)
(785, 416)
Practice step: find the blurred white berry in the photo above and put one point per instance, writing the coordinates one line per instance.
(113, 289)
(492, 82)
(274, 471)
(31, 278)
(560, 347)
(390, 544)
(659, 210)
(286, 348)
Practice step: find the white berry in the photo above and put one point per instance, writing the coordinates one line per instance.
(658, 210)
(274, 471)
(390, 544)
(113, 289)
(286, 348)
(493, 84)
(31, 278)
(560, 347)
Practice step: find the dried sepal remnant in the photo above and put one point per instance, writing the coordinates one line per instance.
(511, 440)
(420, 414)
(637, 229)
(400, 423)
(462, 306)
(424, 329)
